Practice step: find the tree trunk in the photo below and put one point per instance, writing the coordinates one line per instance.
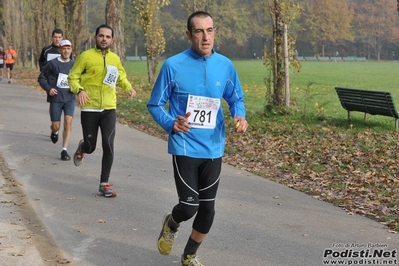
(114, 11)
(286, 67)
(151, 74)
(278, 43)
(75, 29)
(378, 48)
(22, 23)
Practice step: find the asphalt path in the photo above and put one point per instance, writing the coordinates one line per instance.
(257, 223)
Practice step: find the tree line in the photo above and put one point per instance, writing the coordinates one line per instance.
(244, 28)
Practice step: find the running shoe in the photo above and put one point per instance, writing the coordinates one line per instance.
(65, 156)
(106, 190)
(78, 156)
(166, 237)
(54, 137)
(191, 260)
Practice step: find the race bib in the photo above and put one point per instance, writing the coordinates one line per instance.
(112, 76)
(62, 81)
(52, 56)
(1, 61)
(203, 111)
(9, 56)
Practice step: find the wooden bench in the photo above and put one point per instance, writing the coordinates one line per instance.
(133, 58)
(349, 59)
(323, 58)
(336, 58)
(310, 58)
(361, 59)
(368, 102)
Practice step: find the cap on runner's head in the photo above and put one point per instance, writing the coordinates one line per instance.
(65, 43)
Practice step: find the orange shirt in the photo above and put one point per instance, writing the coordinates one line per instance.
(10, 56)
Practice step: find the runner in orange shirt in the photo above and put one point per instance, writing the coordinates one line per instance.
(11, 55)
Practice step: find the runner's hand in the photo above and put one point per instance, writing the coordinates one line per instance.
(132, 93)
(181, 124)
(83, 98)
(240, 123)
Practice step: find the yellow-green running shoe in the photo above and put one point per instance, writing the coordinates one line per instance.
(191, 260)
(166, 237)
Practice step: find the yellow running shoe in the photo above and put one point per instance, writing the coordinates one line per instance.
(191, 260)
(166, 237)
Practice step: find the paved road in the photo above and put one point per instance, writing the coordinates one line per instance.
(258, 222)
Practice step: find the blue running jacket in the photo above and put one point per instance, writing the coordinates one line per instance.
(188, 79)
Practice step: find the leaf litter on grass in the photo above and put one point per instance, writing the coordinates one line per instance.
(357, 172)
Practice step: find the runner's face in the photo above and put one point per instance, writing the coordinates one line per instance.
(65, 52)
(202, 36)
(104, 39)
(57, 37)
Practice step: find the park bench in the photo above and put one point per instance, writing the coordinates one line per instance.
(133, 58)
(323, 58)
(310, 58)
(349, 59)
(336, 58)
(368, 102)
(361, 59)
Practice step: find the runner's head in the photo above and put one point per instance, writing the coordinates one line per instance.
(57, 35)
(104, 37)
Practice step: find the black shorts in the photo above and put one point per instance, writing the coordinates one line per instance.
(10, 66)
(196, 179)
(197, 182)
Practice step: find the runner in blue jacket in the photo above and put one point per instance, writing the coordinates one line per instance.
(194, 83)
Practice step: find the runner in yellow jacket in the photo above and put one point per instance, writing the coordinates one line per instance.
(94, 78)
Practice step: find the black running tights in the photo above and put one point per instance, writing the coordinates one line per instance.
(106, 121)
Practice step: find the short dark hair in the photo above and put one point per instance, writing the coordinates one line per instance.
(59, 31)
(196, 14)
(107, 27)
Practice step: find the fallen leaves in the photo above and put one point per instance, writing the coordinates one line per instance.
(358, 172)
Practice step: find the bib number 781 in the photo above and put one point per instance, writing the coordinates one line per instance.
(204, 111)
(202, 116)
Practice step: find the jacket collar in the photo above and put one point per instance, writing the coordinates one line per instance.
(100, 51)
(196, 56)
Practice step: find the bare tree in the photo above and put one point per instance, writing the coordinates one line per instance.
(114, 16)
(75, 26)
(11, 25)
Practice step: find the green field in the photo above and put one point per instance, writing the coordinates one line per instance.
(313, 97)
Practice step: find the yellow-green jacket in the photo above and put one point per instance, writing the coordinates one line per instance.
(88, 74)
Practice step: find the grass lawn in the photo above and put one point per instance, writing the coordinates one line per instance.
(313, 96)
